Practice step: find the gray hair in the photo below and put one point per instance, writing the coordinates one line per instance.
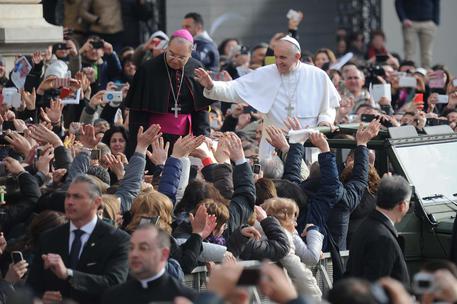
(272, 167)
(392, 190)
(94, 190)
(181, 40)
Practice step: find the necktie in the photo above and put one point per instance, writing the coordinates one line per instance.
(75, 248)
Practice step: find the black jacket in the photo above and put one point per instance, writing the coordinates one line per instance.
(243, 200)
(221, 177)
(375, 251)
(418, 10)
(164, 289)
(274, 248)
(20, 210)
(102, 264)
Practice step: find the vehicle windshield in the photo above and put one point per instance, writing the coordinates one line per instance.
(432, 169)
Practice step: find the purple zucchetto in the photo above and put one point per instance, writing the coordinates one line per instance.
(185, 34)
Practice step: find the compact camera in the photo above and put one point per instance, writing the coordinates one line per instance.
(114, 98)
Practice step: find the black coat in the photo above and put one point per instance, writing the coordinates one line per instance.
(102, 264)
(274, 248)
(164, 289)
(150, 93)
(375, 251)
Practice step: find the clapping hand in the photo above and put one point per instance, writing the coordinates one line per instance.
(42, 164)
(185, 145)
(202, 223)
(43, 135)
(146, 138)
(366, 133)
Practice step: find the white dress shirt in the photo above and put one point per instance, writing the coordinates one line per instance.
(88, 229)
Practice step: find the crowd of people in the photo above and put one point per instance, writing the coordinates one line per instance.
(179, 153)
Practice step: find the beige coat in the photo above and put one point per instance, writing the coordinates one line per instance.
(109, 12)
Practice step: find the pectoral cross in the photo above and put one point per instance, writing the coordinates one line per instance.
(289, 109)
(176, 109)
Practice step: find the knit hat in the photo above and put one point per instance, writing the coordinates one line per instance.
(56, 68)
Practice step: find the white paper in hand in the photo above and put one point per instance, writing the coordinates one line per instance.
(22, 68)
(300, 136)
(12, 98)
(377, 91)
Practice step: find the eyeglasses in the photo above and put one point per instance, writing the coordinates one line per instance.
(172, 55)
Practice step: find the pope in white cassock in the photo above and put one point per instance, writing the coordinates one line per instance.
(288, 88)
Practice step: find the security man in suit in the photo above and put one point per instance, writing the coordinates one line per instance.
(80, 259)
(375, 251)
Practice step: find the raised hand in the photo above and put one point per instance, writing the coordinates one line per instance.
(19, 143)
(37, 57)
(46, 84)
(87, 136)
(28, 99)
(159, 153)
(146, 138)
(292, 123)
(13, 166)
(235, 147)
(277, 139)
(319, 141)
(222, 154)
(115, 164)
(43, 135)
(42, 164)
(204, 78)
(54, 113)
(366, 133)
(185, 145)
(251, 232)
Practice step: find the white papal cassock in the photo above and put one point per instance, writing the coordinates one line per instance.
(306, 92)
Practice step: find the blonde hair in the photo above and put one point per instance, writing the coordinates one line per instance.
(284, 209)
(218, 209)
(111, 206)
(152, 203)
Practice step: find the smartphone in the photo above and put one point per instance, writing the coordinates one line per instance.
(249, 277)
(437, 80)
(154, 220)
(95, 154)
(8, 125)
(368, 117)
(454, 82)
(443, 98)
(16, 257)
(407, 82)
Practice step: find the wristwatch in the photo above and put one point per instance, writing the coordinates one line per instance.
(69, 273)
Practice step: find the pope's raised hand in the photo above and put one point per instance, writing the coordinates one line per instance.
(204, 78)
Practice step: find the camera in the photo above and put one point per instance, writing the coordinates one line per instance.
(97, 44)
(114, 98)
(423, 282)
(372, 72)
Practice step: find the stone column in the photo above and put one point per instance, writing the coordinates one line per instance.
(23, 29)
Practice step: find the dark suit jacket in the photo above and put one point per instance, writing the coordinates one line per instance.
(102, 264)
(375, 251)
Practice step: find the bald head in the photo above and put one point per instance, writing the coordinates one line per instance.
(287, 56)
